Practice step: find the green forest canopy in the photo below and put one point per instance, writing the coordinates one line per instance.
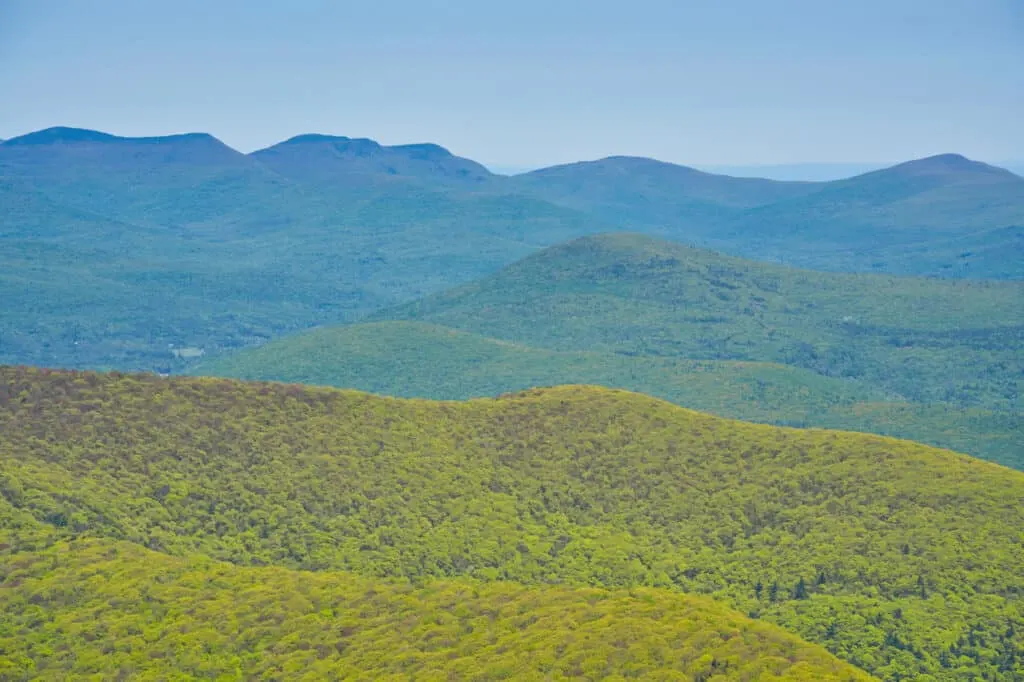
(901, 559)
(924, 340)
(422, 360)
(106, 608)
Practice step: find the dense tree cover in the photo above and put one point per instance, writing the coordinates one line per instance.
(901, 559)
(920, 339)
(113, 609)
(419, 360)
(115, 252)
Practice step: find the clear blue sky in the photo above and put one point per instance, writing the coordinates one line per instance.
(531, 82)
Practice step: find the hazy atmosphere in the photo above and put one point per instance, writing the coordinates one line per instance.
(541, 341)
(535, 82)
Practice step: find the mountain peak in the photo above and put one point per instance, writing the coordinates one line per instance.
(61, 135)
(334, 144)
(312, 138)
(326, 158)
(66, 135)
(424, 151)
(620, 249)
(949, 164)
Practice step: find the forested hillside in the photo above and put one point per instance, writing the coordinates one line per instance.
(901, 559)
(420, 360)
(107, 608)
(919, 339)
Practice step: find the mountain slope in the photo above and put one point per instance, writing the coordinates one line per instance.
(177, 180)
(864, 223)
(127, 249)
(417, 360)
(641, 193)
(343, 162)
(901, 559)
(943, 209)
(114, 607)
(130, 249)
(927, 340)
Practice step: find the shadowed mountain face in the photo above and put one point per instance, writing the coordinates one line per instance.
(117, 250)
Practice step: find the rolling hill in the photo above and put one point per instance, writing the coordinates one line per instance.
(924, 340)
(105, 608)
(901, 559)
(419, 360)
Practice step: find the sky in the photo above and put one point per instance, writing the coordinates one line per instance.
(527, 83)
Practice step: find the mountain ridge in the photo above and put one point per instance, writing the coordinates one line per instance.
(208, 229)
(934, 163)
(421, 360)
(68, 135)
(327, 158)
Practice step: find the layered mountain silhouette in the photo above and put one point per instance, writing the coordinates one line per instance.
(932, 360)
(123, 247)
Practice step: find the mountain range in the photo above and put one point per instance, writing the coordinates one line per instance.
(134, 253)
(535, 496)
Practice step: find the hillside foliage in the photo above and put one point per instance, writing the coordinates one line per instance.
(112, 609)
(421, 360)
(921, 340)
(900, 559)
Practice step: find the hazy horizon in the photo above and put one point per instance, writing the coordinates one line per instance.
(798, 171)
(538, 83)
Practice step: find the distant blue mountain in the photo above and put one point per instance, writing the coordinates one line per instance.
(338, 160)
(818, 172)
(115, 249)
